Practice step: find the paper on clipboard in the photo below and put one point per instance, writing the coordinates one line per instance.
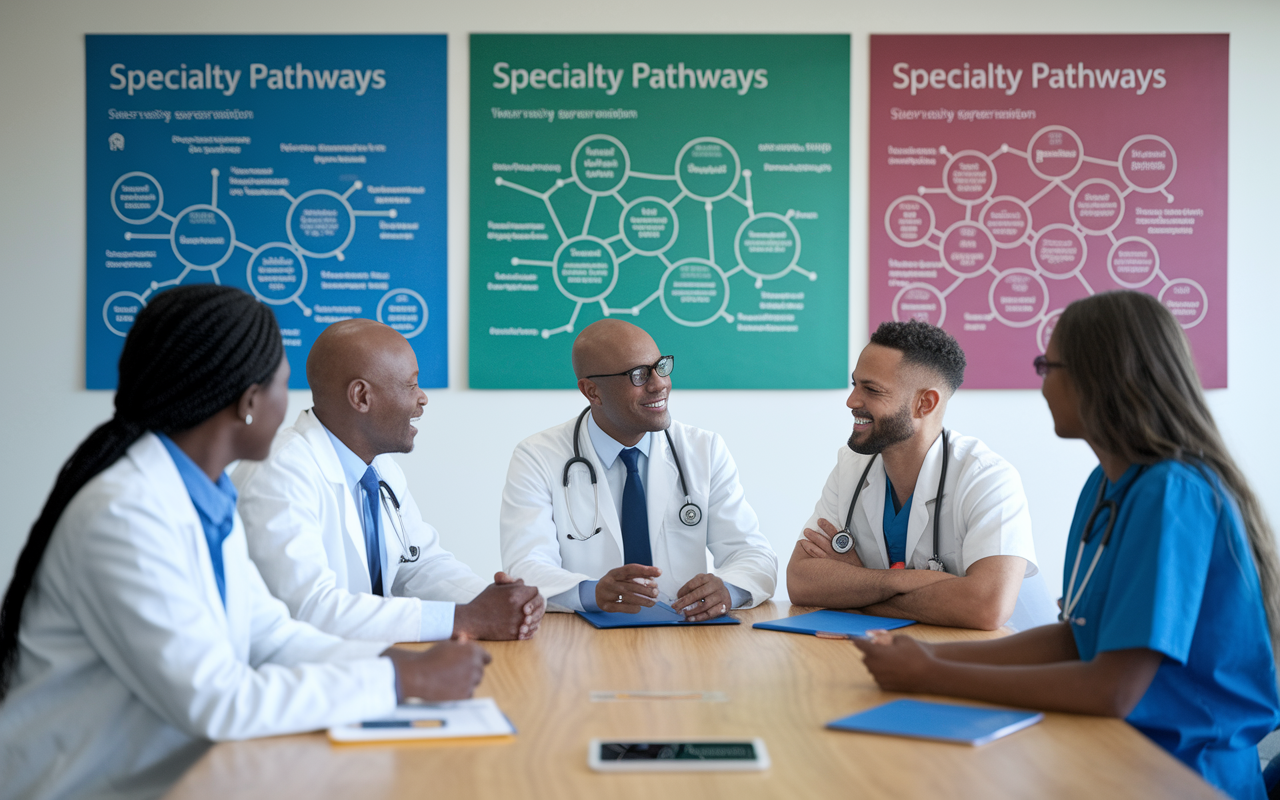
(476, 718)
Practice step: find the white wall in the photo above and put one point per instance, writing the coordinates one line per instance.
(784, 442)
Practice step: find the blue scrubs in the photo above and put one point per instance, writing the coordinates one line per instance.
(1179, 578)
(895, 525)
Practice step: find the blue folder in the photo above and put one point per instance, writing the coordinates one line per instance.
(659, 615)
(943, 722)
(829, 621)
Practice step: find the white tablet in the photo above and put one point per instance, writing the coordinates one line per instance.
(682, 755)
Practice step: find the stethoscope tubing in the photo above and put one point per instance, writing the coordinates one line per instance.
(687, 516)
(1072, 598)
(937, 504)
(385, 491)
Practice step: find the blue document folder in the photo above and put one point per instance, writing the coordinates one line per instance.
(828, 621)
(658, 615)
(943, 722)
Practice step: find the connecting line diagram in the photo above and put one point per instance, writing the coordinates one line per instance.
(694, 291)
(203, 239)
(1019, 297)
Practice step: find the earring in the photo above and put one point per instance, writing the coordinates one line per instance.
(248, 419)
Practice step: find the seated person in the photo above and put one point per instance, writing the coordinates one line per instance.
(1171, 603)
(964, 566)
(330, 520)
(617, 508)
(136, 631)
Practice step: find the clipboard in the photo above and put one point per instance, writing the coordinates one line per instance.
(836, 622)
(659, 615)
(939, 722)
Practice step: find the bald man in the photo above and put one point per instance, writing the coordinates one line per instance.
(664, 495)
(332, 525)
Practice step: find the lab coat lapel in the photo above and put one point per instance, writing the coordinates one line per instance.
(155, 462)
(872, 502)
(660, 484)
(608, 508)
(920, 523)
(331, 468)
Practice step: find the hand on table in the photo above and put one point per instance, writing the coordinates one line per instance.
(704, 597)
(628, 588)
(898, 663)
(506, 609)
(817, 544)
(448, 671)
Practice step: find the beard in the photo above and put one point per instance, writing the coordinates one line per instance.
(884, 432)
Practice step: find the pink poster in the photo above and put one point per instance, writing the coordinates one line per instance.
(1011, 175)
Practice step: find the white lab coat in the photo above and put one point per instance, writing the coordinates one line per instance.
(129, 665)
(305, 536)
(985, 513)
(535, 526)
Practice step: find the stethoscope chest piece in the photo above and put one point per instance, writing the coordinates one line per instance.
(690, 514)
(842, 542)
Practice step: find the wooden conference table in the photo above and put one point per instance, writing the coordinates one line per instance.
(781, 687)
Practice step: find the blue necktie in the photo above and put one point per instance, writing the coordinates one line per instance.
(635, 516)
(372, 529)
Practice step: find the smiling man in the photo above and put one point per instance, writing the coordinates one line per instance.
(887, 548)
(330, 520)
(616, 509)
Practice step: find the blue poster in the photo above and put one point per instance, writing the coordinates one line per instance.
(308, 170)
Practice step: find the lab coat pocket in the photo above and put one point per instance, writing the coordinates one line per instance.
(685, 545)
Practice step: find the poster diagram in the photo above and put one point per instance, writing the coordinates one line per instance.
(321, 213)
(683, 207)
(693, 291)
(203, 239)
(1059, 176)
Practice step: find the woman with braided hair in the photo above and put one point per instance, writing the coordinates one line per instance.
(136, 630)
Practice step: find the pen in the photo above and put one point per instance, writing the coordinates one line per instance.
(403, 723)
(833, 635)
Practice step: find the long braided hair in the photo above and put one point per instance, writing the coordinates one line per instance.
(191, 353)
(1140, 399)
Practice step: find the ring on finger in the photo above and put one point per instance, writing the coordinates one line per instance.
(619, 600)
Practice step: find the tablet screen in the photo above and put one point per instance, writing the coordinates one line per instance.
(677, 751)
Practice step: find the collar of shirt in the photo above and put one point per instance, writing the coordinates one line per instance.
(353, 466)
(214, 502)
(607, 447)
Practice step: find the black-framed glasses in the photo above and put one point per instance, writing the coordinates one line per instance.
(640, 375)
(1043, 365)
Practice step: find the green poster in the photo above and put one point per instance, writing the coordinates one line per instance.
(697, 186)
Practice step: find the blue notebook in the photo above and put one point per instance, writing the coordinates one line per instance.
(828, 621)
(942, 722)
(656, 616)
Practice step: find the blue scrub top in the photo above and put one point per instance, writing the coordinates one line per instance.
(894, 525)
(1179, 578)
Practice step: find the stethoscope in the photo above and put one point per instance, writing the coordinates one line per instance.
(1072, 599)
(690, 513)
(384, 494)
(842, 542)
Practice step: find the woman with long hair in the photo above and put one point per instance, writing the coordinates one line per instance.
(1171, 586)
(135, 629)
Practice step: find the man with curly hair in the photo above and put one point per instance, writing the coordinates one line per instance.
(939, 531)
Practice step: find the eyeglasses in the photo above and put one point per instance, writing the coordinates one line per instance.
(1043, 365)
(640, 375)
